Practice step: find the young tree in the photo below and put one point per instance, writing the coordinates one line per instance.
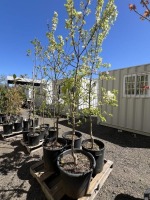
(76, 54)
(145, 5)
(86, 46)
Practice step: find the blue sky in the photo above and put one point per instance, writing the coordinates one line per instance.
(21, 21)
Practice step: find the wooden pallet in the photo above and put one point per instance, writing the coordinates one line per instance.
(51, 183)
(31, 148)
(6, 136)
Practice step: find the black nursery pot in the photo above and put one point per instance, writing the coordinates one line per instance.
(50, 155)
(52, 133)
(25, 136)
(26, 125)
(1, 118)
(68, 137)
(33, 139)
(7, 128)
(17, 126)
(98, 154)
(76, 185)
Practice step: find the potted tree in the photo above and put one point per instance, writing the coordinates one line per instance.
(3, 91)
(53, 70)
(82, 41)
(93, 145)
(13, 102)
(33, 135)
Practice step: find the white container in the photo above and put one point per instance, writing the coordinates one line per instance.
(133, 111)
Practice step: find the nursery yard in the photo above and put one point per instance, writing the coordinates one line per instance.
(128, 180)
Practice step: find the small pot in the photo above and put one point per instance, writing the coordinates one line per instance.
(68, 137)
(7, 128)
(33, 139)
(98, 154)
(17, 126)
(52, 133)
(25, 136)
(50, 155)
(26, 125)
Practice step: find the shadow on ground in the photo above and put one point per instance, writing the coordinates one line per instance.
(126, 197)
(16, 162)
(124, 138)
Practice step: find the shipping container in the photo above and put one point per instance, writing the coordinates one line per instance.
(133, 111)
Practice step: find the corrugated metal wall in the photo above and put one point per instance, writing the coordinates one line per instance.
(132, 113)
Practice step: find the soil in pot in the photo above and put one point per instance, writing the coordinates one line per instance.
(68, 137)
(51, 150)
(76, 177)
(7, 128)
(33, 139)
(97, 151)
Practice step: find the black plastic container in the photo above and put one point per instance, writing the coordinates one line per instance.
(7, 128)
(52, 133)
(50, 155)
(18, 126)
(33, 139)
(98, 154)
(25, 136)
(76, 185)
(68, 137)
(26, 125)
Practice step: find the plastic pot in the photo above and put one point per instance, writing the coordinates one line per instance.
(33, 139)
(98, 154)
(17, 126)
(52, 133)
(76, 185)
(68, 137)
(26, 125)
(7, 128)
(25, 136)
(50, 155)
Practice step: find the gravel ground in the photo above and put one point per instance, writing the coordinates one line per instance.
(128, 180)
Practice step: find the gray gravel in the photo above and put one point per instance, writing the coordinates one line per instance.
(128, 180)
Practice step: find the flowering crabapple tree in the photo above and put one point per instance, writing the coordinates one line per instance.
(86, 41)
(145, 5)
(75, 56)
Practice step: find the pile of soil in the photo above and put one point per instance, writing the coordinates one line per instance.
(128, 180)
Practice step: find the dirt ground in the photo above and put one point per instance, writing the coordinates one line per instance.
(128, 180)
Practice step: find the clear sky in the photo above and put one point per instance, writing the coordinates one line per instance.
(128, 43)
